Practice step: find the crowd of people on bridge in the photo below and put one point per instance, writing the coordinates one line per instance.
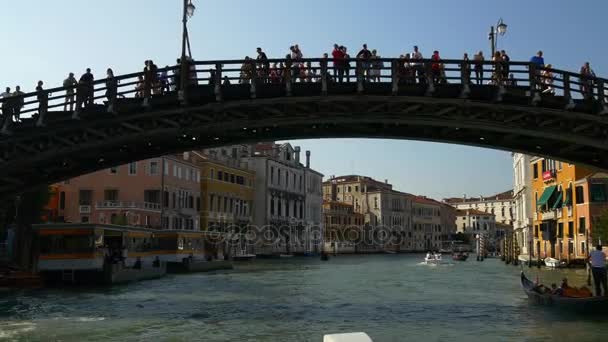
(366, 66)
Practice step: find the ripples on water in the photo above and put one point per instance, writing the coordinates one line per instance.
(391, 297)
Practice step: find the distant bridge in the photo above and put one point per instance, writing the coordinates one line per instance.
(441, 103)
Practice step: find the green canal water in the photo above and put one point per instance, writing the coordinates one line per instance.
(391, 297)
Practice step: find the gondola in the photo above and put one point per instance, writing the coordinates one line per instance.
(586, 305)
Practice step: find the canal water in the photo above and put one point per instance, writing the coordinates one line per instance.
(391, 297)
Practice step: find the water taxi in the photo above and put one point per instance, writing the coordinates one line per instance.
(93, 253)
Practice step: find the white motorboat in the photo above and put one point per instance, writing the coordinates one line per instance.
(553, 263)
(349, 337)
(432, 258)
(285, 255)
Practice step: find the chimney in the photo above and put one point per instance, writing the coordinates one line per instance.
(334, 190)
(307, 159)
(186, 155)
(297, 153)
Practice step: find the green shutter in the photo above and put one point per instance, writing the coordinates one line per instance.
(546, 195)
(558, 201)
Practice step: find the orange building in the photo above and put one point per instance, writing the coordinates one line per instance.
(567, 200)
(343, 226)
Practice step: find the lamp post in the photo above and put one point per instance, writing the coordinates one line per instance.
(184, 66)
(501, 29)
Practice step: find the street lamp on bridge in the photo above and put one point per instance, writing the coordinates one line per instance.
(188, 13)
(501, 29)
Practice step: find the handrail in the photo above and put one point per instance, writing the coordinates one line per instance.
(427, 73)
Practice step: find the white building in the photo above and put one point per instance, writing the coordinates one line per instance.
(500, 205)
(522, 198)
(313, 213)
(282, 187)
(473, 222)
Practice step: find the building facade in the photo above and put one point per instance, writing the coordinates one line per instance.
(500, 205)
(476, 223)
(567, 201)
(522, 201)
(427, 230)
(343, 227)
(387, 213)
(160, 193)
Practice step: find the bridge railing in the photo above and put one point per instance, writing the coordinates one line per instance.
(398, 75)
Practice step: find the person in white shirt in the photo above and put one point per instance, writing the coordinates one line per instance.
(597, 258)
(417, 64)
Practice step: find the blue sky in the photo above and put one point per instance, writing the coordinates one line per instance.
(45, 40)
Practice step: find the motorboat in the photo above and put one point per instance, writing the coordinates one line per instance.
(285, 255)
(537, 295)
(432, 258)
(553, 263)
(348, 337)
(460, 256)
(243, 256)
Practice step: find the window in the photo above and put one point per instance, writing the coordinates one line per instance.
(198, 176)
(166, 198)
(272, 206)
(179, 172)
(166, 168)
(152, 196)
(132, 168)
(598, 192)
(232, 179)
(349, 189)
(560, 230)
(571, 229)
(153, 168)
(272, 175)
(212, 174)
(226, 177)
(581, 225)
(220, 175)
(279, 176)
(356, 188)
(114, 170)
(535, 170)
(187, 174)
(110, 195)
(174, 170)
(85, 197)
(580, 196)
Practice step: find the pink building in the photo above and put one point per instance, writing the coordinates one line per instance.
(131, 194)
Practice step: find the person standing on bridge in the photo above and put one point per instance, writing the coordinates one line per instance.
(346, 63)
(19, 102)
(417, 64)
(7, 105)
(539, 63)
(478, 59)
(263, 65)
(43, 103)
(363, 62)
(586, 80)
(150, 74)
(466, 69)
(338, 59)
(111, 90)
(505, 64)
(70, 84)
(436, 67)
(87, 88)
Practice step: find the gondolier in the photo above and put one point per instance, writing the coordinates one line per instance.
(597, 258)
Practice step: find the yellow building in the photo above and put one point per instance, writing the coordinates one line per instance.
(343, 227)
(227, 194)
(559, 229)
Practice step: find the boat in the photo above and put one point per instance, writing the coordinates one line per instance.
(285, 255)
(243, 257)
(553, 263)
(460, 256)
(432, 259)
(348, 337)
(587, 304)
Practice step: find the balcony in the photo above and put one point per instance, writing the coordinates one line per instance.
(148, 206)
(84, 209)
(548, 215)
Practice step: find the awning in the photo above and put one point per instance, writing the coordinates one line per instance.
(546, 195)
(558, 201)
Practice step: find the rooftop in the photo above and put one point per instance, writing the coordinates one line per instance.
(503, 196)
(474, 212)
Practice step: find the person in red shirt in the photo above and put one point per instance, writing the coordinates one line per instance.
(436, 66)
(338, 60)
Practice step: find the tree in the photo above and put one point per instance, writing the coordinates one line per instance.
(599, 230)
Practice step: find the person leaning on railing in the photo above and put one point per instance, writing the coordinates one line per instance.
(111, 90)
(69, 83)
(479, 59)
(586, 80)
